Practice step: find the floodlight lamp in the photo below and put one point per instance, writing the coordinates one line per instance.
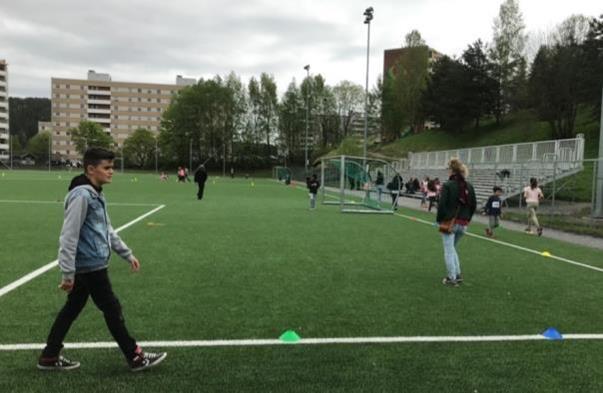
(307, 67)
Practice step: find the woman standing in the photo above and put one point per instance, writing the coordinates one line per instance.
(533, 195)
(455, 210)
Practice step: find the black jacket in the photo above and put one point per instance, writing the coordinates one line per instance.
(313, 185)
(200, 176)
(493, 206)
(450, 202)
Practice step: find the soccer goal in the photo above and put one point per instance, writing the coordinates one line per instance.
(282, 173)
(359, 185)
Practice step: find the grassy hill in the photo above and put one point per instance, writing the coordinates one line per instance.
(517, 128)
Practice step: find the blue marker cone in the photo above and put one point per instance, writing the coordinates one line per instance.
(552, 334)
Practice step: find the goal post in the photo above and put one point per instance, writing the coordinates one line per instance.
(357, 185)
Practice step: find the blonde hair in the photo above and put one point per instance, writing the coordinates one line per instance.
(457, 166)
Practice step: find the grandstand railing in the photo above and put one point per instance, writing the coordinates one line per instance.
(552, 152)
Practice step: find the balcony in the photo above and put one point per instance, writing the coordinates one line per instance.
(3, 104)
(95, 101)
(99, 92)
(99, 111)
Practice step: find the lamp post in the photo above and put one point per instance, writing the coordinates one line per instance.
(307, 68)
(368, 16)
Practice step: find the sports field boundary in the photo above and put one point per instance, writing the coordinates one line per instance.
(308, 341)
(30, 276)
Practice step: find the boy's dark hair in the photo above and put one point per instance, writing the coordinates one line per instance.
(496, 188)
(95, 155)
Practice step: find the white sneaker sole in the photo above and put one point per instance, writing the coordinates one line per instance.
(151, 365)
(51, 368)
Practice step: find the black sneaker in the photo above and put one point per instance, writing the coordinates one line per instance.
(449, 282)
(459, 278)
(540, 231)
(57, 364)
(145, 360)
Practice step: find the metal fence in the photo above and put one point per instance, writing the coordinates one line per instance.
(561, 150)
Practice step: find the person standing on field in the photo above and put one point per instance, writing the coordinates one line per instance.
(456, 206)
(200, 179)
(313, 185)
(533, 195)
(86, 241)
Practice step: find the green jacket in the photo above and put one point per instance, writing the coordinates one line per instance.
(449, 202)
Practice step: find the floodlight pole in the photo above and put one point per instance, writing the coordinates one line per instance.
(368, 13)
(598, 207)
(307, 68)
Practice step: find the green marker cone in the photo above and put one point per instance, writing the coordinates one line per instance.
(289, 337)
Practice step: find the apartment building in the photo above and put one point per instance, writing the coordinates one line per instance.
(4, 135)
(119, 107)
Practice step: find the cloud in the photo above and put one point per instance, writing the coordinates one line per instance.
(139, 40)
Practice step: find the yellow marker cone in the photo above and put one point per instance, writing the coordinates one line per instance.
(545, 254)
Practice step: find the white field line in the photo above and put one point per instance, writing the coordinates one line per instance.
(61, 203)
(306, 341)
(30, 276)
(499, 242)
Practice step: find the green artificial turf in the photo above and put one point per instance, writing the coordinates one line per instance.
(251, 261)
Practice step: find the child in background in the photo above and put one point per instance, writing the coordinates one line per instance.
(313, 186)
(533, 195)
(493, 210)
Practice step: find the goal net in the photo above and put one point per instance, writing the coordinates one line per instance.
(359, 185)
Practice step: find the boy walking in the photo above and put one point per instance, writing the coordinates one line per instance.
(85, 243)
(493, 210)
(313, 186)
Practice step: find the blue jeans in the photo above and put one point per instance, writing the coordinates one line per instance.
(453, 265)
(312, 201)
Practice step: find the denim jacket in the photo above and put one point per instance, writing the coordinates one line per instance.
(87, 236)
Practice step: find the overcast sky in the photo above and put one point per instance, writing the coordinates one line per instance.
(153, 41)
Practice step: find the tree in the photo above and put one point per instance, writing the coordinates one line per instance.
(253, 130)
(38, 146)
(592, 69)
(447, 99)
(198, 117)
(482, 87)
(573, 30)
(267, 108)
(90, 134)
(349, 98)
(291, 123)
(554, 87)
(391, 110)
(414, 39)
(139, 148)
(410, 82)
(507, 54)
(24, 115)
(237, 115)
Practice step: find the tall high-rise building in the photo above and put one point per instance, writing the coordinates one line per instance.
(119, 107)
(4, 135)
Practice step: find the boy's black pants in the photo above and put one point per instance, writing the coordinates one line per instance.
(97, 285)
